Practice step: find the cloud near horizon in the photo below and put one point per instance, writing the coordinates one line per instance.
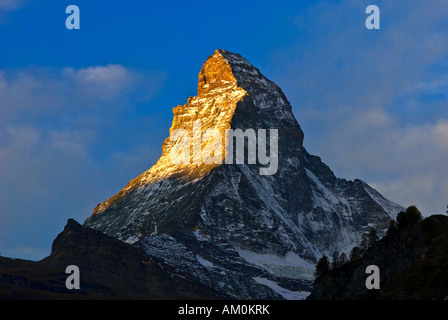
(53, 125)
(37, 90)
(11, 5)
(372, 103)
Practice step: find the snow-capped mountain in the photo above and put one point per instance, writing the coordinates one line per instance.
(250, 235)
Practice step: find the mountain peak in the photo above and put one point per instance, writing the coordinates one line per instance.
(225, 69)
(232, 94)
(228, 216)
(216, 72)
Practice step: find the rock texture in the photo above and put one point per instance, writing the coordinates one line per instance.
(412, 263)
(248, 230)
(109, 269)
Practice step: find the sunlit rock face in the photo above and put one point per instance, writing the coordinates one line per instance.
(248, 230)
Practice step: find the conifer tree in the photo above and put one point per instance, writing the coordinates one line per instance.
(322, 266)
(355, 253)
(342, 259)
(410, 217)
(372, 238)
(335, 263)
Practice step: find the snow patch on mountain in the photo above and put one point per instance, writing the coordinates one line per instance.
(290, 265)
(285, 293)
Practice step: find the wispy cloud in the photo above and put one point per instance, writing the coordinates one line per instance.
(433, 87)
(11, 5)
(38, 90)
(366, 99)
(108, 82)
(62, 138)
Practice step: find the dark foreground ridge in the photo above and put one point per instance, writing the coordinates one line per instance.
(413, 264)
(109, 269)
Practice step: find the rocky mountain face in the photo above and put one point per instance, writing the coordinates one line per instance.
(109, 269)
(412, 265)
(244, 233)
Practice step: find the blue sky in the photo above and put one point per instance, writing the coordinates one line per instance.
(84, 111)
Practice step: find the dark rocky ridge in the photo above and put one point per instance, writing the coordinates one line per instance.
(109, 269)
(413, 265)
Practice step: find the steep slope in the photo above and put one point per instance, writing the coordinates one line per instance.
(412, 262)
(232, 218)
(109, 269)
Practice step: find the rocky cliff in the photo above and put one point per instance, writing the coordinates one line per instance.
(109, 269)
(245, 227)
(412, 264)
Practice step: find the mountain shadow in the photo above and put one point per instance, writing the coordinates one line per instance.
(412, 259)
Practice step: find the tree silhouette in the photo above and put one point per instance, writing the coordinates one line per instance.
(342, 259)
(372, 238)
(392, 229)
(336, 262)
(322, 266)
(410, 217)
(356, 253)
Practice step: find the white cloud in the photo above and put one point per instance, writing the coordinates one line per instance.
(10, 5)
(433, 87)
(358, 96)
(105, 82)
(44, 90)
(22, 138)
(73, 143)
(59, 134)
(407, 165)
